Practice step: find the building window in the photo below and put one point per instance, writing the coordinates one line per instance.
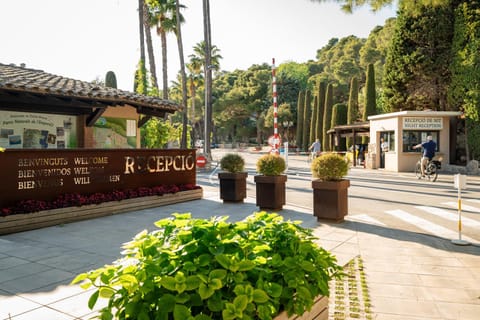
(412, 138)
(389, 137)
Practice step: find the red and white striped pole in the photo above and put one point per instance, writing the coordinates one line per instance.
(276, 143)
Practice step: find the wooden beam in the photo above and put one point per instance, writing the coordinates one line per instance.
(143, 120)
(93, 117)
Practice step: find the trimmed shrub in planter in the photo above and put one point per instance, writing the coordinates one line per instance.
(212, 269)
(233, 182)
(232, 162)
(270, 184)
(330, 190)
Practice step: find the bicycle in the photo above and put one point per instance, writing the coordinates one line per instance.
(431, 169)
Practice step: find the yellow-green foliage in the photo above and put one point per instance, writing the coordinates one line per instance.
(271, 165)
(232, 162)
(329, 167)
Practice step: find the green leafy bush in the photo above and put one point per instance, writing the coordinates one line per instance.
(212, 269)
(232, 162)
(271, 165)
(329, 167)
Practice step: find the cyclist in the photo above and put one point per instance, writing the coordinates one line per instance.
(429, 148)
(315, 148)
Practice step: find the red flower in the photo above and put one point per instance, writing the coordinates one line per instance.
(75, 199)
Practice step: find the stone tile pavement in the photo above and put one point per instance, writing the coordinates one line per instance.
(409, 275)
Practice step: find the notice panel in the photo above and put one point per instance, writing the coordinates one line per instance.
(44, 174)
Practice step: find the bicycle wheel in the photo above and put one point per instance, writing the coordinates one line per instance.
(418, 170)
(433, 173)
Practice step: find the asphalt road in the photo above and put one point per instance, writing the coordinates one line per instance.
(387, 199)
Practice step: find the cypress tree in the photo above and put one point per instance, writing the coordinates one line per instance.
(327, 117)
(140, 83)
(352, 112)
(313, 121)
(339, 117)
(370, 97)
(306, 120)
(300, 111)
(110, 80)
(320, 111)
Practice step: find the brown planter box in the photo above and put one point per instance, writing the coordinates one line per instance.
(270, 191)
(233, 186)
(319, 312)
(330, 199)
(47, 218)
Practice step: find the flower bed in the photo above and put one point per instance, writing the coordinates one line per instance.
(80, 209)
(76, 199)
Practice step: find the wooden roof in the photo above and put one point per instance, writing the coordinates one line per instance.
(350, 130)
(30, 90)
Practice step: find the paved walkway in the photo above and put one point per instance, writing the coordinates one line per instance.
(409, 275)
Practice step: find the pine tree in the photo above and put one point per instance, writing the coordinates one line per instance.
(306, 120)
(300, 111)
(327, 117)
(320, 110)
(352, 112)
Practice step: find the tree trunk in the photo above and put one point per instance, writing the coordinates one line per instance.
(184, 77)
(141, 30)
(208, 78)
(163, 37)
(193, 93)
(151, 56)
(143, 73)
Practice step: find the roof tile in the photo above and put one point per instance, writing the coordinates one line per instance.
(13, 78)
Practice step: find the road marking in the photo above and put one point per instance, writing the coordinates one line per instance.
(464, 207)
(366, 218)
(472, 200)
(426, 225)
(452, 216)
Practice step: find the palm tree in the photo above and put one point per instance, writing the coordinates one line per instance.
(195, 79)
(208, 76)
(199, 54)
(200, 58)
(164, 18)
(141, 65)
(178, 32)
(148, 36)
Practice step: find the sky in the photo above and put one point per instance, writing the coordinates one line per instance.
(85, 39)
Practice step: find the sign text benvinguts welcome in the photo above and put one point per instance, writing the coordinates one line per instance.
(44, 174)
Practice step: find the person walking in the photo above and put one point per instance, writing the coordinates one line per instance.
(383, 149)
(315, 148)
(429, 148)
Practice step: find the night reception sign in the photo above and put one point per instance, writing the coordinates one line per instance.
(422, 123)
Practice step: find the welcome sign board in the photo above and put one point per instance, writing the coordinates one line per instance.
(44, 174)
